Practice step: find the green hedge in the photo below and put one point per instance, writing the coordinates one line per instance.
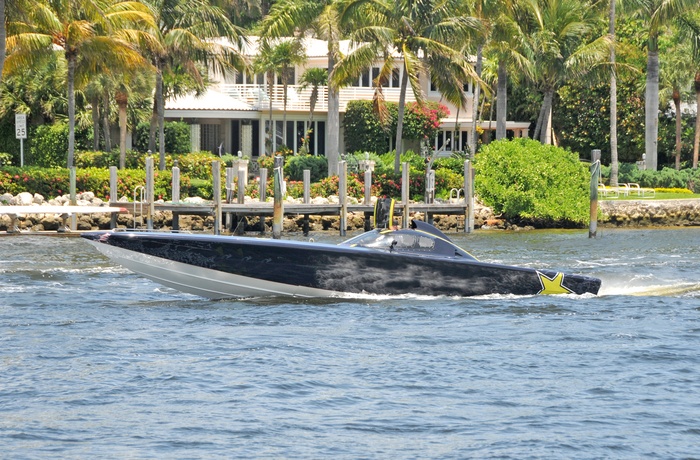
(664, 178)
(54, 182)
(522, 178)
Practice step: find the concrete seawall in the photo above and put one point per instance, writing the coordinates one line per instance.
(650, 213)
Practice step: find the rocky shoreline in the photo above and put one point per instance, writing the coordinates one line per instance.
(632, 213)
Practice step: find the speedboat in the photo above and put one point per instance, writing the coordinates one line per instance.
(420, 260)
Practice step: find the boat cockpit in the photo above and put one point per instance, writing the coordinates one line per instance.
(418, 240)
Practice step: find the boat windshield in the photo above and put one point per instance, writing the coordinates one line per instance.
(407, 241)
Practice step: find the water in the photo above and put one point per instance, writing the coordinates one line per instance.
(96, 362)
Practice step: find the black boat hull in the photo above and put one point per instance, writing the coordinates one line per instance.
(226, 266)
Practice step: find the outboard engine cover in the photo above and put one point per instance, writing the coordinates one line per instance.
(384, 213)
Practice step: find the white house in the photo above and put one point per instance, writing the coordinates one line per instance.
(234, 113)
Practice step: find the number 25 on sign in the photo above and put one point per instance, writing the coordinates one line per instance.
(20, 126)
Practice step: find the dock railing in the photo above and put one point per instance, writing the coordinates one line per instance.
(262, 208)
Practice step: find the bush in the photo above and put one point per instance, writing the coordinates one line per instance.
(542, 184)
(49, 147)
(665, 178)
(177, 137)
(53, 182)
(5, 159)
(295, 166)
(363, 131)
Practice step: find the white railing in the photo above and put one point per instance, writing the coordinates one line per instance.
(258, 97)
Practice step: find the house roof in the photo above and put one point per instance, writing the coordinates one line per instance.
(210, 100)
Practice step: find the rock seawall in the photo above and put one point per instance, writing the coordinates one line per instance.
(624, 213)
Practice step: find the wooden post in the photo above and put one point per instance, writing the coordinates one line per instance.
(307, 199)
(263, 196)
(595, 178)
(150, 193)
(216, 188)
(404, 194)
(343, 196)
(368, 187)
(278, 209)
(241, 185)
(469, 196)
(73, 199)
(113, 194)
(176, 195)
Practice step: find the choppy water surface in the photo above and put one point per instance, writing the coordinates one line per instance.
(96, 362)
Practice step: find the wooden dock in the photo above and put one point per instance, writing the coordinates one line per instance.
(147, 206)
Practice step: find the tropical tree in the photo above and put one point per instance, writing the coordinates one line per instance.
(296, 18)
(190, 32)
(428, 37)
(507, 46)
(614, 163)
(657, 14)
(690, 30)
(93, 34)
(559, 34)
(315, 77)
(675, 78)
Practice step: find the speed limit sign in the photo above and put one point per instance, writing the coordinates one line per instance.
(21, 125)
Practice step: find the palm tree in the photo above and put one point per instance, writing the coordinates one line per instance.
(676, 75)
(558, 36)
(93, 35)
(296, 17)
(657, 14)
(614, 164)
(690, 30)
(189, 33)
(314, 77)
(427, 35)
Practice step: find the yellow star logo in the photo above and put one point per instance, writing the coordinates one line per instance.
(553, 285)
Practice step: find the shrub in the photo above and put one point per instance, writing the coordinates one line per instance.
(522, 178)
(295, 166)
(363, 131)
(177, 137)
(665, 178)
(49, 147)
(53, 182)
(5, 159)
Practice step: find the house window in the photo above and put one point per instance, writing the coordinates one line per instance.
(395, 80)
(210, 138)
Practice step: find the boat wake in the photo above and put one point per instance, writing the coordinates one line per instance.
(664, 290)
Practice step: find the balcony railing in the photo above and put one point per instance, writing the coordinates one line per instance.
(258, 97)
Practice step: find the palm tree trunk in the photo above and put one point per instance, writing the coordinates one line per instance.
(153, 128)
(160, 101)
(475, 101)
(651, 108)
(270, 128)
(614, 164)
(538, 124)
(502, 100)
(122, 101)
(399, 121)
(95, 103)
(696, 143)
(3, 37)
(677, 105)
(71, 108)
(284, 113)
(545, 135)
(333, 125)
(105, 121)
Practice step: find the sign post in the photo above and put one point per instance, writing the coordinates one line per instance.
(21, 134)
